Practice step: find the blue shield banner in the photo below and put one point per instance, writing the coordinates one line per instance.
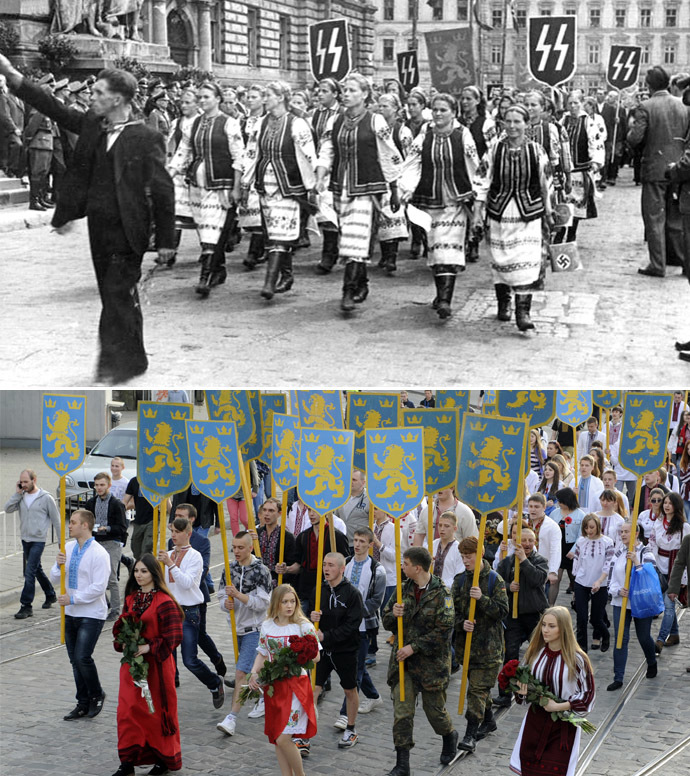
(325, 468)
(573, 407)
(395, 469)
(271, 403)
(162, 455)
(448, 400)
(320, 409)
(368, 411)
(235, 407)
(214, 458)
(646, 417)
(254, 445)
(285, 450)
(155, 499)
(440, 445)
(607, 399)
(63, 432)
(492, 450)
(536, 407)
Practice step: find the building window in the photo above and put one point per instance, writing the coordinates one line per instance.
(411, 44)
(388, 10)
(545, 11)
(463, 7)
(671, 17)
(437, 10)
(216, 36)
(497, 17)
(388, 49)
(593, 54)
(284, 42)
(355, 45)
(619, 17)
(253, 37)
(645, 17)
(521, 16)
(571, 11)
(669, 54)
(496, 55)
(645, 56)
(411, 9)
(595, 17)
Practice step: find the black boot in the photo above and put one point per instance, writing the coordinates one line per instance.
(503, 297)
(275, 259)
(450, 741)
(218, 272)
(347, 304)
(389, 255)
(445, 284)
(255, 252)
(203, 287)
(487, 726)
(402, 763)
(472, 252)
(36, 204)
(286, 276)
(329, 252)
(523, 305)
(469, 742)
(361, 291)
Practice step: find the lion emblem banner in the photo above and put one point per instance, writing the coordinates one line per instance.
(325, 468)
(254, 445)
(440, 445)
(271, 403)
(214, 458)
(643, 436)
(63, 432)
(285, 450)
(492, 450)
(573, 407)
(320, 409)
(155, 499)
(449, 400)
(395, 468)
(162, 455)
(607, 399)
(536, 407)
(367, 411)
(235, 407)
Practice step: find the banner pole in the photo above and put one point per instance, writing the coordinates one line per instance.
(248, 503)
(398, 600)
(371, 524)
(628, 563)
(319, 578)
(63, 520)
(283, 529)
(505, 532)
(331, 531)
(228, 578)
(155, 531)
(430, 528)
(607, 429)
(518, 538)
(162, 526)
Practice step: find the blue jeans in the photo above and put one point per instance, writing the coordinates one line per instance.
(363, 679)
(206, 643)
(643, 628)
(190, 644)
(669, 623)
(81, 636)
(34, 571)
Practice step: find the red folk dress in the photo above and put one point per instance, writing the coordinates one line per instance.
(144, 738)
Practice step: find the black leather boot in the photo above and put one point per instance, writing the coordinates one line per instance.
(487, 726)
(450, 741)
(523, 305)
(255, 252)
(329, 252)
(275, 259)
(469, 742)
(361, 291)
(203, 287)
(347, 304)
(218, 272)
(286, 277)
(445, 285)
(402, 763)
(36, 204)
(389, 255)
(503, 297)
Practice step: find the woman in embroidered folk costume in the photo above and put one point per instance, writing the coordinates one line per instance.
(515, 197)
(364, 165)
(250, 213)
(290, 711)
(437, 178)
(417, 121)
(281, 168)
(554, 658)
(142, 737)
(211, 160)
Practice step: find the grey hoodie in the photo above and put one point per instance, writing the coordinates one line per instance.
(34, 521)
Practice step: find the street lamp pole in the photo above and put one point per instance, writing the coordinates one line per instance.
(415, 14)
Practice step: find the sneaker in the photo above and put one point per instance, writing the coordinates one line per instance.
(303, 746)
(218, 695)
(369, 704)
(112, 615)
(24, 612)
(349, 739)
(370, 661)
(258, 710)
(77, 713)
(228, 725)
(341, 722)
(96, 706)
(615, 685)
(50, 600)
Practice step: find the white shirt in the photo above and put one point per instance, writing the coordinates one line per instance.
(596, 488)
(118, 488)
(338, 524)
(611, 525)
(549, 544)
(408, 526)
(387, 552)
(583, 446)
(660, 540)
(591, 559)
(186, 578)
(467, 525)
(618, 567)
(623, 475)
(362, 585)
(452, 565)
(93, 574)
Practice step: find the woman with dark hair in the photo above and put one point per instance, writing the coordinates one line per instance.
(569, 516)
(665, 539)
(364, 165)
(537, 452)
(396, 88)
(680, 436)
(504, 103)
(144, 737)
(549, 485)
(553, 448)
(211, 160)
(438, 178)
(684, 478)
(250, 214)
(416, 122)
(648, 517)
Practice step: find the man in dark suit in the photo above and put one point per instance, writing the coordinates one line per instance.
(117, 179)
(615, 121)
(661, 123)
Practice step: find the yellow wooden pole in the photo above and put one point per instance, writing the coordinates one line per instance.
(283, 529)
(607, 429)
(228, 578)
(371, 525)
(249, 504)
(470, 616)
(155, 532)
(162, 526)
(575, 472)
(319, 578)
(628, 563)
(63, 521)
(518, 539)
(430, 528)
(505, 532)
(331, 531)
(398, 600)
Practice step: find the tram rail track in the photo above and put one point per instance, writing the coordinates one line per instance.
(664, 758)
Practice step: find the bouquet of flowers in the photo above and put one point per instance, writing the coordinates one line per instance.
(512, 674)
(130, 635)
(287, 661)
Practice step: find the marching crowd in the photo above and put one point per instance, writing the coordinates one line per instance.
(576, 524)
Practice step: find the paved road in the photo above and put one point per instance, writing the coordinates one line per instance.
(602, 326)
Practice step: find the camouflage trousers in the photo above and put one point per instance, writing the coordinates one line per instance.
(434, 705)
(480, 681)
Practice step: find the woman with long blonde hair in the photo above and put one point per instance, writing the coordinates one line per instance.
(554, 658)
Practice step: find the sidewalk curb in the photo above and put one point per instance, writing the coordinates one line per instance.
(13, 219)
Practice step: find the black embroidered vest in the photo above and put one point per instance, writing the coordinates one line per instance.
(210, 148)
(443, 160)
(279, 150)
(361, 155)
(516, 174)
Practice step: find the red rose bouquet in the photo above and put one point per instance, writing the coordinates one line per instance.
(513, 674)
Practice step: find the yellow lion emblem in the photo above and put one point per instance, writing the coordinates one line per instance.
(284, 454)
(316, 413)
(646, 433)
(392, 468)
(228, 407)
(62, 433)
(432, 456)
(489, 464)
(574, 404)
(219, 465)
(161, 449)
(538, 399)
(325, 479)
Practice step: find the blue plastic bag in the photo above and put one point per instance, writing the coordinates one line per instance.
(646, 598)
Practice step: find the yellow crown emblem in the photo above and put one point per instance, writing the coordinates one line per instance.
(278, 421)
(284, 482)
(359, 402)
(378, 439)
(485, 498)
(150, 413)
(60, 467)
(312, 438)
(217, 493)
(196, 429)
(74, 405)
(510, 430)
(225, 430)
(162, 483)
(179, 415)
(340, 440)
(431, 480)
(409, 437)
(476, 425)
(661, 404)
(50, 403)
(636, 402)
(387, 403)
(640, 462)
(445, 419)
(413, 420)
(321, 505)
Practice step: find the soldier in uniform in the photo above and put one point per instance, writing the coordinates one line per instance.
(487, 647)
(428, 615)
(38, 140)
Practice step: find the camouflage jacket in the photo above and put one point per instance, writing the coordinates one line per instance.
(487, 637)
(427, 626)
